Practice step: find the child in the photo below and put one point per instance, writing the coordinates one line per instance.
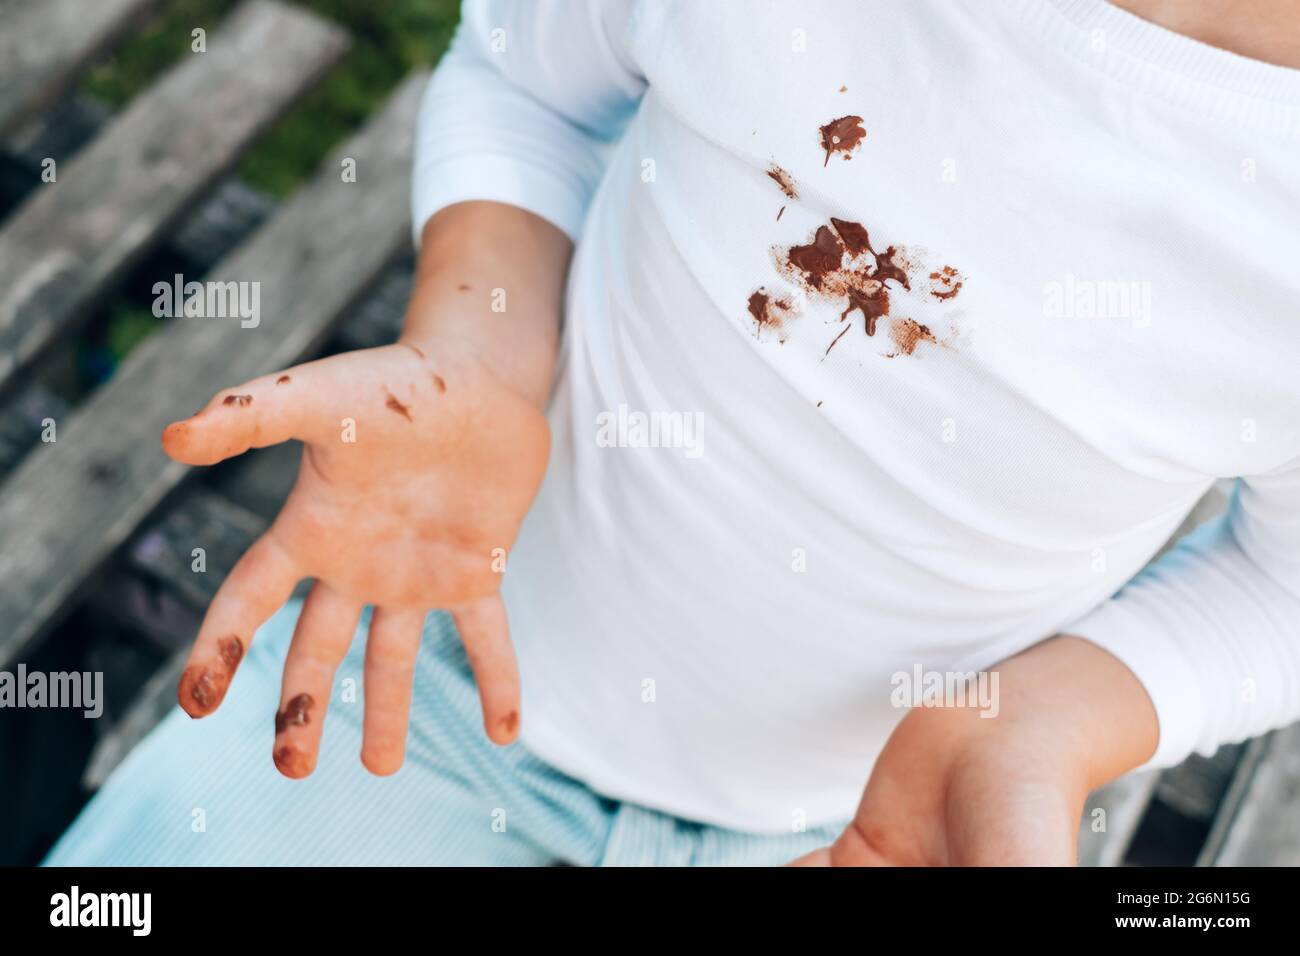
(897, 339)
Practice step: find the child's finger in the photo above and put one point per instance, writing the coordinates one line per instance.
(259, 583)
(320, 642)
(261, 412)
(486, 636)
(391, 649)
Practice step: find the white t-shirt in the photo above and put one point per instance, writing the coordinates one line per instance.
(762, 524)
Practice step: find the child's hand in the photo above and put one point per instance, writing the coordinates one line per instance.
(417, 469)
(954, 788)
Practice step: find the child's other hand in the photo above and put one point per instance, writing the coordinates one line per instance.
(952, 788)
(418, 466)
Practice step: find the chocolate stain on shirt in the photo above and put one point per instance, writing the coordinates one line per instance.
(842, 265)
(946, 283)
(397, 406)
(834, 340)
(820, 265)
(871, 302)
(857, 240)
(769, 313)
(818, 259)
(842, 135)
(282, 380)
(296, 713)
(240, 400)
(908, 334)
(784, 180)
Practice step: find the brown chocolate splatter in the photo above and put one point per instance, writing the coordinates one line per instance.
(397, 406)
(439, 383)
(871, 299)
(908, 334)
(292, 762)
(282, 380)
(463, 287)
(240, 400)
(817, 259)
(842, 135)
(844, 89)
(779, 213)
(296, 713)
(861, 283)
(510, 722)
(769, 313)
(834, 340)
(946, 283)
(857, 240)
(854, 235)
(783, 180)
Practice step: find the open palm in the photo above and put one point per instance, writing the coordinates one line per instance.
(416, 473)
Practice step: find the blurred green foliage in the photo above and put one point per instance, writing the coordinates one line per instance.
(389, 37)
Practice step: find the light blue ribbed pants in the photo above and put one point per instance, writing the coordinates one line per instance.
(205, 793)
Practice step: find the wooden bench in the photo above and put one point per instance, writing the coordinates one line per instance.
(81, 518)
(44, 46)
(79, 234)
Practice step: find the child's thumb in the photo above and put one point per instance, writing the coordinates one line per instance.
(261, 412)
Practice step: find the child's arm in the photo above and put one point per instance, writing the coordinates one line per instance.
(420, 460)
(954, 788)
(422, 457)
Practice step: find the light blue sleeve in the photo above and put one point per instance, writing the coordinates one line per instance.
(523, 106)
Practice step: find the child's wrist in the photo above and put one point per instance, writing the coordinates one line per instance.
(1085, 702)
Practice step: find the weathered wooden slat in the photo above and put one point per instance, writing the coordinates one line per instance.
(71, 504)
(76, 236)
(1124, 802)
(57, 133)
(222, 530)
(1195, 788)
(1258, 823)
(44, 44)
(378, 320)
(22, 424)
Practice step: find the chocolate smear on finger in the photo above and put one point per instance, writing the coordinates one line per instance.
(296, 713)
(393, 403)
(292, 762)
